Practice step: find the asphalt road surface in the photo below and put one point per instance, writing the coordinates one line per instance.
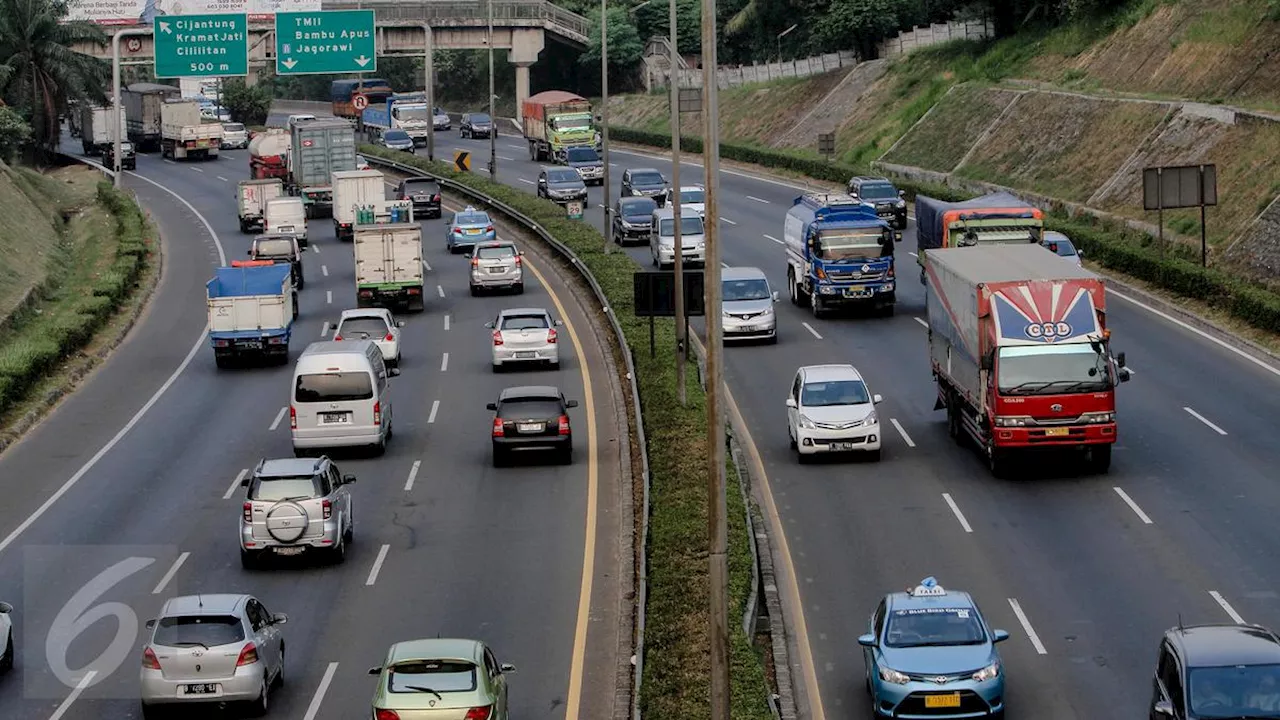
(128, 493)
(1084, 571)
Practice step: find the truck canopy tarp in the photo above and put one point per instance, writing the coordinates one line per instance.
(248, 281)
(548, 97)
(929, 212)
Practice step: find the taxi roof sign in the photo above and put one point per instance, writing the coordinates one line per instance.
(928, 587)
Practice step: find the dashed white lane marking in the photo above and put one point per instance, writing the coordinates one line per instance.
(222, 179)
(279, 416)
(80, 687)
(235, 484)
(435, 408)
(377, 565)
(1132, 505)
(413, 475)
(325, 270)
(324, 329)
(921, 321)
(725, 219)
(902, 431)
(314, 708)
(1026, 625)
(444, 362)
(173, 570)
(426, 266)
(912, 254)
(1235, 616)
(504, 157)
(809, 327)
(955, 510)
(759, 200)
(197, 169)
(315, 249)
(170, 161)
(1205, 420)
(328, 296)
(770, 237)
(527, 182)
(446, 322)
(440, 289)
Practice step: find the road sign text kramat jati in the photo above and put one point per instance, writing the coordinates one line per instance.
(197, 37)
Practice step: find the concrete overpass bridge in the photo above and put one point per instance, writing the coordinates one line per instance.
(520, 26)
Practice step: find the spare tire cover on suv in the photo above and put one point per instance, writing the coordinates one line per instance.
(287, 521)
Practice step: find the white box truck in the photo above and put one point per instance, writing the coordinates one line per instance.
(389, 266)
(185, 134)
(288, 216)
(95, 129)
(252, 197)
(355, 190)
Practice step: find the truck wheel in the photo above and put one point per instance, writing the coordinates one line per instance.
(816, 305)
(797, 292)
(997, 462)
(1100, 458)
(953, 421)
(533, 152)
(887, 310)
(222, 361)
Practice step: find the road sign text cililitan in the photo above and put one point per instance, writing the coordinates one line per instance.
(333, 41)
(201, 45)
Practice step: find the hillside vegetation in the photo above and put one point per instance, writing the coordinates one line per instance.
(25, 202)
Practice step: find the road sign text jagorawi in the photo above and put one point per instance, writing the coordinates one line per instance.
(333, 41)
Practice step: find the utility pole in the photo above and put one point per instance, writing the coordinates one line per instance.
(604, 120)
(429, 71)
(717, 525)
(673, 80)
(493, 119)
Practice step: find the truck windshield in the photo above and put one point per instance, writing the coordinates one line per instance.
(571, 123)
(688, 226)
(410, 113)
(1051, 370)
(850, 245)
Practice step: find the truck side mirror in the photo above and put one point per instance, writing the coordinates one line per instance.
(1124, 375)
(987, 362)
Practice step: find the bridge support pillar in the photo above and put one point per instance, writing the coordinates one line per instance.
(522, 88)
(526, 45)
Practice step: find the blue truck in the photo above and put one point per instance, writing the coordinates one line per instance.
(252, 306)
(839, 253)
(401, 111)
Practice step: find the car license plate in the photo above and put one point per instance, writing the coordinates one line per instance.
(497, 270)
(473, 231)
(200, 689)
(749, 328)
(526, 355)
(842, 446)
(251, 344)
(285, 228)
(857, 292)
(1057, 432)
(333, 418)
(288, 550)
(950, 700)
(529, 427)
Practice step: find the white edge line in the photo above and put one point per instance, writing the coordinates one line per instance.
(80, 687)
(1205, 420)
(1133, 505)
(902, 431)
(316, 699)
(235, 484)
(413, 475)
(173, 570)
(435, 407)
(921, 321)
(955, 510)
(315, 249)
(1026, 625)
(444, 362)
(1235, 616)
(426, 265)
(377, 565)
(527, 181)
(279, 416)
(155, 397)
(809, 327)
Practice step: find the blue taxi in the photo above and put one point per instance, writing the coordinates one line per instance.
(468, 227)
(930, 654)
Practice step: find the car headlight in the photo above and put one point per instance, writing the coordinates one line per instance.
(893, 676)
(1098, 417)
(768, 311)
(990, 672)
(1013, 421)
(870, 419)
(806, 423)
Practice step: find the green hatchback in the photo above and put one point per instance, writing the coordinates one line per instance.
(441, 679)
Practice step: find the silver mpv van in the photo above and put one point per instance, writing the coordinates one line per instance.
(662, 241)
(340, 397)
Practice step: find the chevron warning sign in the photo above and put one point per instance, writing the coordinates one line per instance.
(462, 160)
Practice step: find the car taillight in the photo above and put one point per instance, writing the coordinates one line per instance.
(497, 428)
(475, 262)
(519, 262)
(327, 506)
(248, 512)
(552, 336)
(377, 413)
(479, 713)
(293, 417)
(389, 337)
(497, 337)
(455, 230)
(564, 424)
(248, 656)
(488, 228)
(385, 715)
(149, 660)
(337, 337)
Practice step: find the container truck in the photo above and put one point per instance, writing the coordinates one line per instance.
(839, 253)
(388, 260)
(95, 128)
(269, 155)
(401, 111)
(252, 306)
(1020, 350)
(185, 134)
(354, 191)
(317, 149)
(251, 200)
(555, 121)
(342, 93)
(142, 102)
(999, 218)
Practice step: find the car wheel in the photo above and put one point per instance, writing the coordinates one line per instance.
(874, 455)
(150, 712)
(519, 288)
(248, 560)
(280, 670)
(262, 705)
(339, 552)
(6, 660)
(499, 458)
(474, 291)
(555, 364)
(381, 448)
(565, 456)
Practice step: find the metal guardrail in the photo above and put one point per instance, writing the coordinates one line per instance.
(569, 24)
(521, 218)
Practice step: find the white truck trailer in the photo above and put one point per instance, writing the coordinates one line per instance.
(184, 134)
(389, 272)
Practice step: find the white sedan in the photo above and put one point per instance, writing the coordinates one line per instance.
(525, 335)
(6, 637)
(376, 324)
(829, 410)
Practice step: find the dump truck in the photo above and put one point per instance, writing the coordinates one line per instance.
(269, 155)
(317, 149)
(185, 134)
(252, 306)
(839, 253)
(999, 218)
(251, 200)
(355, 191)
(142, 102)
(1019, 348)
(389, 272)
(95, 128)
(555, 121)
(401, 111)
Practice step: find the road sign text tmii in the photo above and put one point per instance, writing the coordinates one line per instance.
(334, 41)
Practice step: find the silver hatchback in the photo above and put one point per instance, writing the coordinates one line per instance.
(497, 264)
(295, 506)
(211, 650)
(525, 335)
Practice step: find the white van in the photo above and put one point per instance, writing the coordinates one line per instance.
(288, 216)
(340, 397)
(662, 241)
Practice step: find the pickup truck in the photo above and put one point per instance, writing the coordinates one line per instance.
(252, 307)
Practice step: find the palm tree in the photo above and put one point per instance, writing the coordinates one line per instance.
(39, 72)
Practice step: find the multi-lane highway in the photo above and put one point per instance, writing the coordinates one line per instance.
(143, 463)
(1084, 571)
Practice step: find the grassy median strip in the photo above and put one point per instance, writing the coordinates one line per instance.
(677, 663)
(105, 249)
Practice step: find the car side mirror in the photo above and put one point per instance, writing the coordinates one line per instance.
(521, 253)
(249, 252)
(394, 372)
(507, 668)
(867, 640)
(571, 403)
(489, 324)
(791, 402)
(1120, 360)
(559, 323)
(399, 323)
(151, 623)
(492, 406)
(348, 479)
(375, 671)
(1080, 253)
(876, 399)
(902, 194)
(245, 482)
(1163, 707)
(5, 608)
(999, 636)
(279, 619)
(777, 297)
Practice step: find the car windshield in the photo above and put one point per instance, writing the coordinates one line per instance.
(479, 119)
(442, 676)
(689, 225)
(581, 154)
(396, 136)
(275, 246)
(191, 630)
(1236, 691)
(850, 245)
(333, 387)
(420, 186)
(878, 191)
(564, 176)
(933, 627)
(638, 207)
(273, 489)
(754, 289)
(647, 178)
(496, 252)
(834, 392)
(542, 408)
(693, 196)
(471, 219)
(1061, 246)
(233, 127)
(1051, 369)
(362, 328)
(525, 322)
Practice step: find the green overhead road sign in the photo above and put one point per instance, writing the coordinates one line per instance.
(201, 45)
(316, 43)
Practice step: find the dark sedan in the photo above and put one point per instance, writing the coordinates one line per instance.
(644, 182)
(397, 140)
(532, 418)
(476, 125)
(562, 185)
(424, 193)
(632, 218)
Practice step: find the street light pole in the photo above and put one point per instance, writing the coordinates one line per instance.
(116, 110)
(428, 71)
(717, 520)
(604, 120)
(682, 342)
(493, 119)
(783, 34)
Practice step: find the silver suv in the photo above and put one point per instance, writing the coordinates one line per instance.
(497, 265)
(293, 506)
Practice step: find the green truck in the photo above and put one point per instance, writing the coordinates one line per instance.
(555, 121)
(389, 268)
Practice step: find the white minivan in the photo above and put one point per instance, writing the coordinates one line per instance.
(662, 241)
(286, 215)
(340, 397)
